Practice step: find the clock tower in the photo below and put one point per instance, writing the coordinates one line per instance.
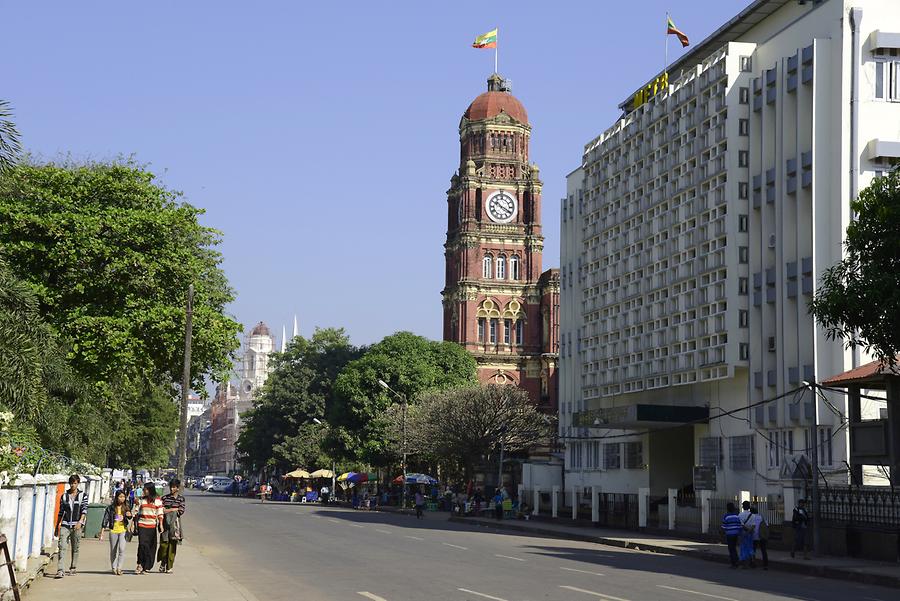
(498, 303)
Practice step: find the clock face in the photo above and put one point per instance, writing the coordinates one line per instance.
(502, 207)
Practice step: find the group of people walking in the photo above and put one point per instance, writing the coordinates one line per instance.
(748, 531)
(155, 520)
(745, 532)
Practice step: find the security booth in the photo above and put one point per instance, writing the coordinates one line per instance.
(873, 441)
(861, 520)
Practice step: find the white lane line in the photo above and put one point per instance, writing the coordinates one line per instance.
(335, 521)
(369, 595)
(684, 590)
(383, 531)
(582, 571)
(465, 590)
(602, 595)
(509, 557)
(357, 525)
(414, 537)
(456, 546)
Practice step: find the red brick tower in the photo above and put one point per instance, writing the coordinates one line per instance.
(497, 301)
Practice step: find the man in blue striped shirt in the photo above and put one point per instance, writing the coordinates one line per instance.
(732, 526)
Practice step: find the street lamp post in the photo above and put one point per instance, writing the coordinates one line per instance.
(384, 385)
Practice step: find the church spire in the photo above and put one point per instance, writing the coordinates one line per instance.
(283, 340)
(296, 329)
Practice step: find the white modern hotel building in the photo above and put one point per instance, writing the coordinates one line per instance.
(693, 234)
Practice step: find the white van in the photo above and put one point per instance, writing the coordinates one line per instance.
(220, 484)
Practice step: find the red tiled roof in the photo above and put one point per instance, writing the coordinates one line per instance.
(869, 371)
(492, 103)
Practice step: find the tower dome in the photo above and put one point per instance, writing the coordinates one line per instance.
(260, 329)
(496, 100)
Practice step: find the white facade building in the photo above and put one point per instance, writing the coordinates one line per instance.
(255, 365)
(710, 209)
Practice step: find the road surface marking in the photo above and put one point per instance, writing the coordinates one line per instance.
(456, 546)
(383, 531)
(508, 557)
(369, 595)
(465, 590)
(357, 525)
(335, 521)
(149, 595)
(582, 571)
(684, 590)
(602, 595)
(414, 537)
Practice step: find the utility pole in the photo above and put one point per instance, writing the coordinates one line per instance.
(814, 455)
(402, 398)
(185, 383)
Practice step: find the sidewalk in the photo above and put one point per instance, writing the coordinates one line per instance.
(194, 577)
(842, 568)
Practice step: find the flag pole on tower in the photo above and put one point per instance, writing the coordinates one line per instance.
(488, 40)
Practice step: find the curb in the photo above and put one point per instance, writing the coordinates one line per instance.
(797, 568)
(25, 579)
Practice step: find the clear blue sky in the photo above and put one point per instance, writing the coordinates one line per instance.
(320, 137)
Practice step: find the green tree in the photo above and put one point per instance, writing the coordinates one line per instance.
(144, 436)
(410, 365)
(36, 382)
(858, 299)
(280, 430)
(10, 145)
(109, 253)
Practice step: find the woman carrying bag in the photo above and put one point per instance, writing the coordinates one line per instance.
(116, 519)
(149, 514)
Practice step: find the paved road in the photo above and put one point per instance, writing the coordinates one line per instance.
(297, 552)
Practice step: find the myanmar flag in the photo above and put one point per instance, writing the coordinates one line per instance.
(488, 40)
(672, 30)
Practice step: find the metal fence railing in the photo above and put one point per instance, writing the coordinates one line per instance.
(858, 506)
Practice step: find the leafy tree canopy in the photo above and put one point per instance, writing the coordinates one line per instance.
(410, 365)
(465, 425)
(279, 429)
(145, 434)
(109, 254)
(858, 300)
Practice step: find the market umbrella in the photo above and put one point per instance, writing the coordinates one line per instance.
(358, 478)
(322, 474)
(297, 473)
(345, 476)
(413, 478)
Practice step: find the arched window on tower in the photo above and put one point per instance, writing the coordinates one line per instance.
(501, 267)
(486, 265)
(514, 267)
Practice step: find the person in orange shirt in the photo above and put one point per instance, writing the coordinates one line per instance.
(148, 513)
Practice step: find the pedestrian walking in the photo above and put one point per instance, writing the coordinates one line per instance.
(745, 542)
(800, 522)
(69, 524)
(420, 504)
(116, 520)
(148, 515)
(760, 533)
(731, 525)
(172, 534)
(498, 505)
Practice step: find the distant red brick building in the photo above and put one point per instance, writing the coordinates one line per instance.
(498, 303)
